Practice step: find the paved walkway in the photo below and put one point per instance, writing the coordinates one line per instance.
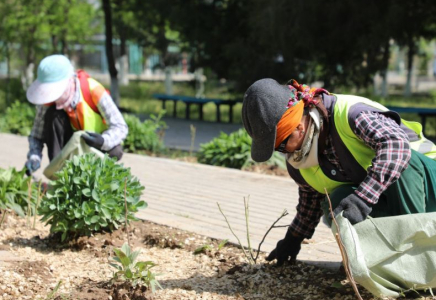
(185, 195)
(178, 135)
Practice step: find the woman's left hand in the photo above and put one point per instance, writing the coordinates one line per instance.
(355, 208)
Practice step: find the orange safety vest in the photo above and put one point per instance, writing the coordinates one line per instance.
(86, 115)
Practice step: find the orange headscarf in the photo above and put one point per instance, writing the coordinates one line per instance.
(302, 96)
(289, 121)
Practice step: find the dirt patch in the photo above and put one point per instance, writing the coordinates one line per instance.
(189, 266)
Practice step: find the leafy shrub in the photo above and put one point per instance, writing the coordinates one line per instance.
(88, 196)
(18, 119)
(14, 191)
(145, 135)
(232, 151)
(128, 269)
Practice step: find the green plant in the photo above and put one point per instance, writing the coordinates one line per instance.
(130, 270)
(208, 247)
(18, 119)
(232, 151)
(147, 135)
(88, 195)
(17, 192)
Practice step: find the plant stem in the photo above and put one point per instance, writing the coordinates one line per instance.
(193, 132)
(29, 194)
(3, 217)
(344, 254)
(284, 213)
(249, 259)
(125, 204)
(247, 213)
(37, 204)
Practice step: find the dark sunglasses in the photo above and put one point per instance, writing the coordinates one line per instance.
(282, 147)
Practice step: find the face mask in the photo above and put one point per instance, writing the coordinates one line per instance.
(307, 156)
(65, 100)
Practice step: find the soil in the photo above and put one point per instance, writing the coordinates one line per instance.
(189, 266)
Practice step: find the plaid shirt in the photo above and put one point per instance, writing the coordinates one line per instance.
(113, 136)
(393, 153)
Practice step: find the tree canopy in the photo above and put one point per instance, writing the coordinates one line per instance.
(339, 42)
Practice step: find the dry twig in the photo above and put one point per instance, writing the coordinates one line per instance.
(248, 257)
(252, 259)
(343, 251)
(284, 214)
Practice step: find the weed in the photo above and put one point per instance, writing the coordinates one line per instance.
(132, 271)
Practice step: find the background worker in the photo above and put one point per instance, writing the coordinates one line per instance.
(67, 101)
(368, 159)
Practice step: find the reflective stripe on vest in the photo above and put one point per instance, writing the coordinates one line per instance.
(83, 117)
(363, 154)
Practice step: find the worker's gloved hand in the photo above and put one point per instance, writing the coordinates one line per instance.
(32, 164)
(287, 248)
(355, 208)
(93, 139)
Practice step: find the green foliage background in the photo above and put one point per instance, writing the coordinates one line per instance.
(146, 135)
(18, 118)
(232, 151)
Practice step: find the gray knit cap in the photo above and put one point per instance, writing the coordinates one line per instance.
(265, 101)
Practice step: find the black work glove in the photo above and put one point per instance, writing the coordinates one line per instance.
(288, 247)
(93, 139)
(355, 208)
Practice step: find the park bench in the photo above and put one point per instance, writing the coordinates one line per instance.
(423, 112)
(199, 102)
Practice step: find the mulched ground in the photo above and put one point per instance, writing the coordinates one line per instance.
(190, 266)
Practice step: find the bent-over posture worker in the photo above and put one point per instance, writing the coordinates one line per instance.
(370, 161)
(67, 101)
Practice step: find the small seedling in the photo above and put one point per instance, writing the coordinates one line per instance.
(52, 294)
(136, 272)
(208, 247)
(203, 249)
(222, 244)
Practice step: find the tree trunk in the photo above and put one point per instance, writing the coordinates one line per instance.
(109, 51)
(199, 83)
(410, 55)
(168, 81)
(54, 43)
(124, 62)
(384, 72)
(28, 73)
(64, 49)
(8, 74)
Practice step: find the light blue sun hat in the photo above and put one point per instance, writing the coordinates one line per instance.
(53, 75)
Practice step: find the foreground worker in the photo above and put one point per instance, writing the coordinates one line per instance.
(370, 161)
(67, 101)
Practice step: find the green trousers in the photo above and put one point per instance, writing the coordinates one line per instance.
(414, 192)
